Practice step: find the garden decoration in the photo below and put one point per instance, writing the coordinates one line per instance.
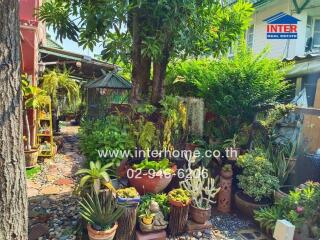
(129, 197)
(202, 191)
(179, 200)
(225, 184)
(33, 98)
(151, 176)
(257, 182)
(101, 217)
(153, 219)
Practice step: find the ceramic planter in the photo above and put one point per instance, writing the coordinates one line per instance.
(246, 205)
(281, 193)
(31, 157)
(199, 215)
(102, 235)
(128, 201)
(147, 183)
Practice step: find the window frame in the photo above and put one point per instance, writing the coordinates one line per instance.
(314, 19)
(252, 34)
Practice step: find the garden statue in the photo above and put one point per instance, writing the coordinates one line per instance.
(156, 217)
(158, 220)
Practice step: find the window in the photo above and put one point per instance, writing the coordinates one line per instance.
(249, 37)
(316, 33)
(313, 34)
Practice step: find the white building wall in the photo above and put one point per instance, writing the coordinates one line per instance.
(279, 48)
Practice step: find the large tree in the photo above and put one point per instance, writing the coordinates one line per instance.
(149, 33)
(13, 197)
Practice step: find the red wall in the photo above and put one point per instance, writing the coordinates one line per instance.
(33, 34)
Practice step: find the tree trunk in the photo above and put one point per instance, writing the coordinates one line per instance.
(141, 65)
(159, 74)
(145, 76)
(13, 197)
(136, 56)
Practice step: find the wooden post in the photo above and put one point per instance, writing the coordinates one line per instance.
(127, 224)
(178, 219)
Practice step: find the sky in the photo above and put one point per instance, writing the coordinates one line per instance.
(72, 46)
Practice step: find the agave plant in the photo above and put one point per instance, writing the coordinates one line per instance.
(94, 177)
(100, 216)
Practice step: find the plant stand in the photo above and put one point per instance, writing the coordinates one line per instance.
(224, 197)
(127, 224)
(178, 219)
(45, 134)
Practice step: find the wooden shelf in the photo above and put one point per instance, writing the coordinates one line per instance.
(45, 138)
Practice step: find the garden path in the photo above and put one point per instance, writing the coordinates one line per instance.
(53, 210)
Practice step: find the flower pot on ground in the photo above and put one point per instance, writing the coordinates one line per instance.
(179, 200)
(102, 235)
(151, 176)
(257, 182)
(101, 218)
(202, 191)
(33, 98)
(248, 205)
(282, 192)
(31, 157)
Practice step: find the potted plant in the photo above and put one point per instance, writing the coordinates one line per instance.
(179, 200)
(33, 98)
(300, 207)
(233, 151)
(257, 182)
(225, 183)
(202, 190)
(101, 218)
(179, 197)
(95, 178)
(129, 196)
(281, 157)
(151, 176)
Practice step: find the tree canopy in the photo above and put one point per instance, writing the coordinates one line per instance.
(146, 32)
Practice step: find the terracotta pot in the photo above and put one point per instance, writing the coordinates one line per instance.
(246, 205)
(199, 215)
(280, 193)
(31, 157)
(178, 204)
(102, 235)
(147, 183)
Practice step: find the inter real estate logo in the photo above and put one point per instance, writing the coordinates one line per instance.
(282, 26)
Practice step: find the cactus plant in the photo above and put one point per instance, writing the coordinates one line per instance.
(201, 188)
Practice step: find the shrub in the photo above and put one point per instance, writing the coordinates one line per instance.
(232, 88)
(111, 133)
(257, 179)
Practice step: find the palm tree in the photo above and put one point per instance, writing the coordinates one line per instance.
(58, 84)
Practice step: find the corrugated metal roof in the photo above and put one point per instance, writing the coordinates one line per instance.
(51, 43)
(109, 80)
(305, 64)
(76, 57)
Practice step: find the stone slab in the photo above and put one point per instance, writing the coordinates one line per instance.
(161, 235)
(193, 227)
